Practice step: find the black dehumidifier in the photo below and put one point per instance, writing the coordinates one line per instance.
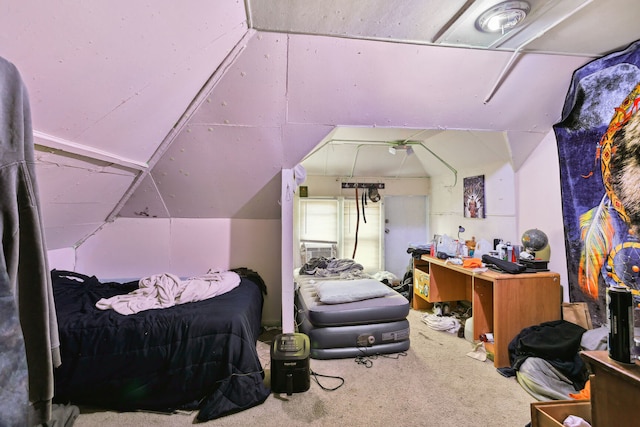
(290, 372)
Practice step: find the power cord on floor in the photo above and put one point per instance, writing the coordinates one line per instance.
(315, 376)
(367, 360)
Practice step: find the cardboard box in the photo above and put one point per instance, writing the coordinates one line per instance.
(578, 313)
(553, 413)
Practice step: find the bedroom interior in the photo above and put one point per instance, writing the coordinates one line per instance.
(167, 139)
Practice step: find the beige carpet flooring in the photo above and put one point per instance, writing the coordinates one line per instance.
(434, 384)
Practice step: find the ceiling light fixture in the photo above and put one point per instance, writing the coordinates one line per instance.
(406, 148)
(503, 16)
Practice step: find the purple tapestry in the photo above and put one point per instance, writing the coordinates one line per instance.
(599, 151)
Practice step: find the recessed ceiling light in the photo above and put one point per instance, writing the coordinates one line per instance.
(503, 16)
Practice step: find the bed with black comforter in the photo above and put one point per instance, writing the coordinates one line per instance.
(199, 355)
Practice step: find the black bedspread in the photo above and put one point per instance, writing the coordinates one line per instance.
(196, 355)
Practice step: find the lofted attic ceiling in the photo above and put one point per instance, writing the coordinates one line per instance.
(165, 109)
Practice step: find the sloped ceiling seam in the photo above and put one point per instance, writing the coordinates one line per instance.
(286, 80)
(437, 38)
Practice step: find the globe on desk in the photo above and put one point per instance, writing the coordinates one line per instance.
(533, 241)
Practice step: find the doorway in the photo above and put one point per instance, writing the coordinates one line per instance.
(405, 226)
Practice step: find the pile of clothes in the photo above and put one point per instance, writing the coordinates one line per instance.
(325, 267)
(545, 359)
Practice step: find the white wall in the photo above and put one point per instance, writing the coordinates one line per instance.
(326, 186)
(539, 202)
(62, 259)
(500, 209)
(132, 248)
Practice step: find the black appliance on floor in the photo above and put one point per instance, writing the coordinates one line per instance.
(290, 372)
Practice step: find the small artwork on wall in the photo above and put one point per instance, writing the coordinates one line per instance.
(474, 206)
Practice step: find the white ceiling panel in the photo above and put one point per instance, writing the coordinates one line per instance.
(487, 148)
(213, 171)
(594, 28)
(79, 189)
(299, 140)
(389, 85)
(521, 145)
(116, 75)
(251, 91)
(453, 23)
(388, 19)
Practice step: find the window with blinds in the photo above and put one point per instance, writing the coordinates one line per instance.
(318, 219)
(335, 220)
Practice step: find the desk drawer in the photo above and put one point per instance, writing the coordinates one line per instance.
(553, 413)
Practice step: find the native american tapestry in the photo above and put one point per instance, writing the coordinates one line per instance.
(599, 151)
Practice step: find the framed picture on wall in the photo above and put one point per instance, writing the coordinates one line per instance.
(474, 206)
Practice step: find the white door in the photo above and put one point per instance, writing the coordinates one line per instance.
(405, 226)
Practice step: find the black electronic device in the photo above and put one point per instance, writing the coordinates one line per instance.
(534, 264)
(506, 266)
(290, 371)
(620, 315)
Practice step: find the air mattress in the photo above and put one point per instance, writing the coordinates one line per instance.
(366, 327)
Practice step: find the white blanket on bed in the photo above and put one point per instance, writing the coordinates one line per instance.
(166, 290)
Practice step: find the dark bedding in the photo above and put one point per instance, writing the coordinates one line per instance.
(199, 355)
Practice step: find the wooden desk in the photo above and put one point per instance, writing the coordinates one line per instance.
(503, 304)
(615, 390)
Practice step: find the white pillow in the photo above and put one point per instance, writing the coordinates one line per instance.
(340, 291)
